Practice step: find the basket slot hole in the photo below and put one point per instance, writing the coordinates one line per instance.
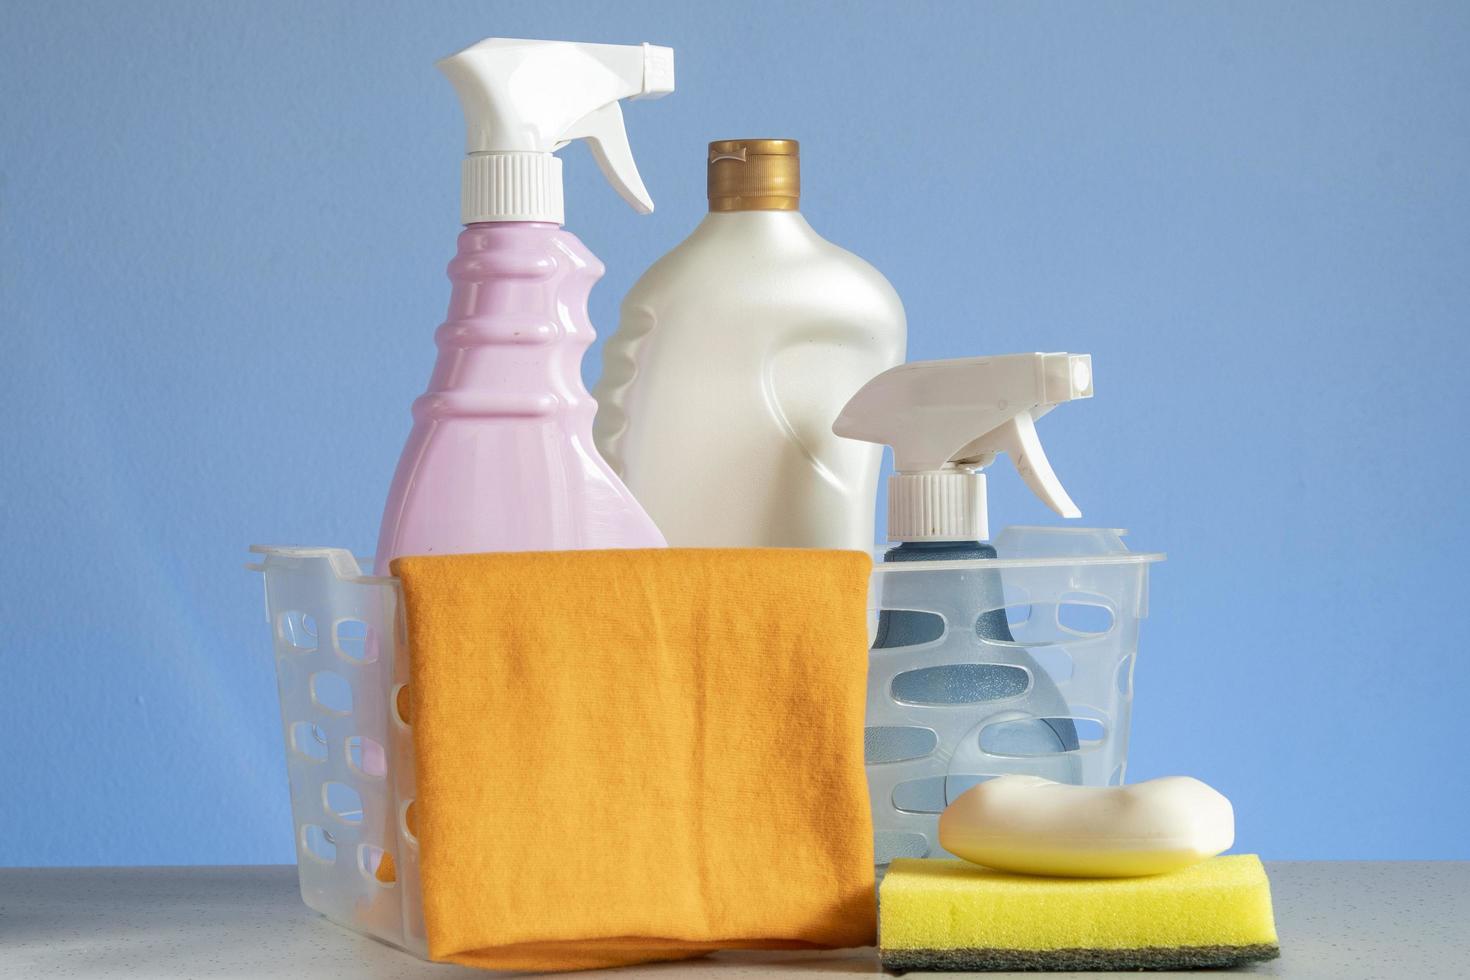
(1032, 737)
(957, 784)
(896, 743)
(1090, 731)
(319, 843)
(1125, 677)
(408, 821)
(961, 684)
(298, 630)
(355, 641)
(933, 794)
(1017, 615)
(309, 740)
(907, 628)
(343, 802)
(366, 755)
(1091, 618)
(920, 795)
(331, 692)
(401, 704)
(370, 860)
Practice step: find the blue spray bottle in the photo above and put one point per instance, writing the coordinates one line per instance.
(946, 421)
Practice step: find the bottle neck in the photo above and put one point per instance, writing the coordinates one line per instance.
(764, 231)
(547, 226)
(939, 551)
(764, 205)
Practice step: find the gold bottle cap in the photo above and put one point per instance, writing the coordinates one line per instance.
(754, 175)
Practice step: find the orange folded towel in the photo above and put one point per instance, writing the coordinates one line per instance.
(626, 756)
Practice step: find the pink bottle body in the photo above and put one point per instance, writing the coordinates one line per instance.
(501, 456)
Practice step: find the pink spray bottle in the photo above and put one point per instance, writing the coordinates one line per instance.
(501, 456)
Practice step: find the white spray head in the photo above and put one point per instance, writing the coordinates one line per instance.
(523, 100)
(947, 420)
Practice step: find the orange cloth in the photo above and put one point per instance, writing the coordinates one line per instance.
(626, 756)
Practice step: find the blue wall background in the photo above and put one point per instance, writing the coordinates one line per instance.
(223, 229)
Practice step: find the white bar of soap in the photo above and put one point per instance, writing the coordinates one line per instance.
(1031, 825)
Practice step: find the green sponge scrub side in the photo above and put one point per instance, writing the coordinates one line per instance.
(952, 915)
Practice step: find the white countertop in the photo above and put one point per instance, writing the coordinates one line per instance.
(1343, 920)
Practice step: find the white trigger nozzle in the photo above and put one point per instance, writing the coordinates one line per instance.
(607, 138)
(947, 420)
(523, 100)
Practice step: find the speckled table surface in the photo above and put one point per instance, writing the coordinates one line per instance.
(1342, 920)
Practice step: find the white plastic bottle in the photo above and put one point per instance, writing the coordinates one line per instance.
(735, 353)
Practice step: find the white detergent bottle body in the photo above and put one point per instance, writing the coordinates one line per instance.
(735, 353)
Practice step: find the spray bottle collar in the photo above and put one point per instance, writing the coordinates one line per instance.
(938, 505)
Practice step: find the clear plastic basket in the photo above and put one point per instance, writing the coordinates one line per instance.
(340, 661)
(1072, 598)
(963, 706)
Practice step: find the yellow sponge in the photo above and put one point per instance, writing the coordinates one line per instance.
(953, 915)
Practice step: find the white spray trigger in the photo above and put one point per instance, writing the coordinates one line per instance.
(947, 420)
(1018, 439)
(523, 100)
(607, 138)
